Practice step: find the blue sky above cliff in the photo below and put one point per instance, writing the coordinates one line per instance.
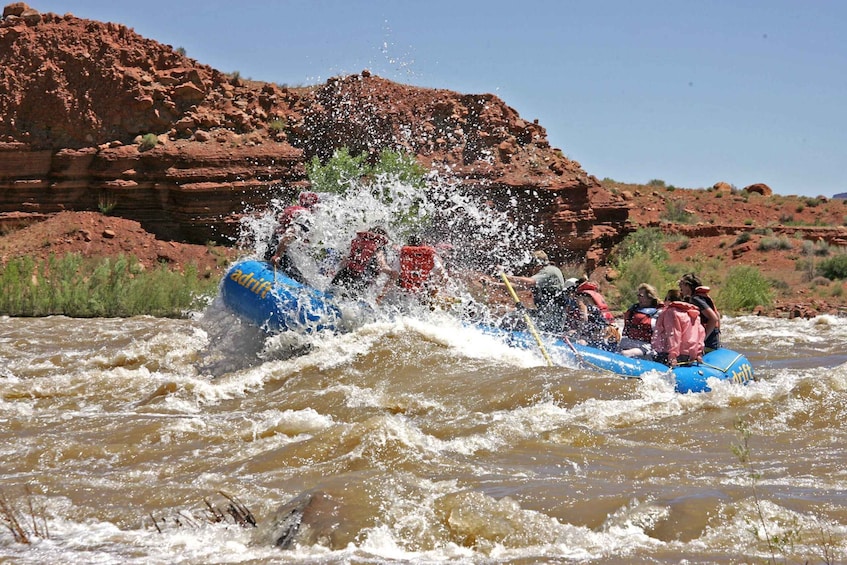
(691, 93)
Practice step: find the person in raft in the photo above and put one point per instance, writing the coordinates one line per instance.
(639, 321)
(365, 262)
(695, 293)
(292, 224)
(547, 285)
(587, 318)
(420, 268)
(678, 336)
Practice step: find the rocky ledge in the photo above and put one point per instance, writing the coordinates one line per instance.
(98, 117)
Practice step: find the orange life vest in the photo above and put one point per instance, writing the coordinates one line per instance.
(362, 249)
(416, 263)
(591, 289)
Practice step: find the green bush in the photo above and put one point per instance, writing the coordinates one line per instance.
(743, 237)
(744, 289)
(276, 125)
(148, 141)
(675, 212)
(338, 173)
(83, 288)
(343, 169)
(640, 258)
(834, 267)
(772, 243)
(649, 241)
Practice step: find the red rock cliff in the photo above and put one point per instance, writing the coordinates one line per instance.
(81, 101)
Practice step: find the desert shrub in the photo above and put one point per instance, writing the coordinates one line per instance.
(276, 125)
(834, 267)
(637, 269)
(148, 141)
(813, 202)
(821, 248)
(106, 203)
(111, 287)
(658, 183)
(675, 212)
(773, 243)
(649, 241)
(743, 237)
(745, 288)
(641, 257)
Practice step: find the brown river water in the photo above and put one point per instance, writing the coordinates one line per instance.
(410, 440)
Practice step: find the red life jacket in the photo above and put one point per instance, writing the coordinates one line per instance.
(287, 216)
(416, 263)
(590, 289)
(362, 249)
(638, 323)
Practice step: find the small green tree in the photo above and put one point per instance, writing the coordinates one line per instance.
(338, 173)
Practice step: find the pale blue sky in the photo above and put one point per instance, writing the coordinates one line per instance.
(690, 92)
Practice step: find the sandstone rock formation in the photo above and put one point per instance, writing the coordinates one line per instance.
(96, 116)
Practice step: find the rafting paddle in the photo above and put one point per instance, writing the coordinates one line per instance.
(529, 323)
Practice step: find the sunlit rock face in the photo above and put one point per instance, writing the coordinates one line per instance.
(96, 116)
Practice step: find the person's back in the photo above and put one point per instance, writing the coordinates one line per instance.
(365, 261)
(546, 292)
(417, 264)
(591, 290)
(678, 336)
(695, 293)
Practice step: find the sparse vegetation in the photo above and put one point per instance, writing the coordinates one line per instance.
(24, 528)
(781, 538)
(106, 203)
(148, 141)
(744, 289)
(277, 126)
(676, 212)
(84, 288)
(743, 237)
(773, 243)
(834, 267)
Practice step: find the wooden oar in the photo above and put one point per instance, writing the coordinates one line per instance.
(527, 319)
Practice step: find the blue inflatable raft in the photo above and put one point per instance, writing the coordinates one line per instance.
(269, 299)
(722, 364)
